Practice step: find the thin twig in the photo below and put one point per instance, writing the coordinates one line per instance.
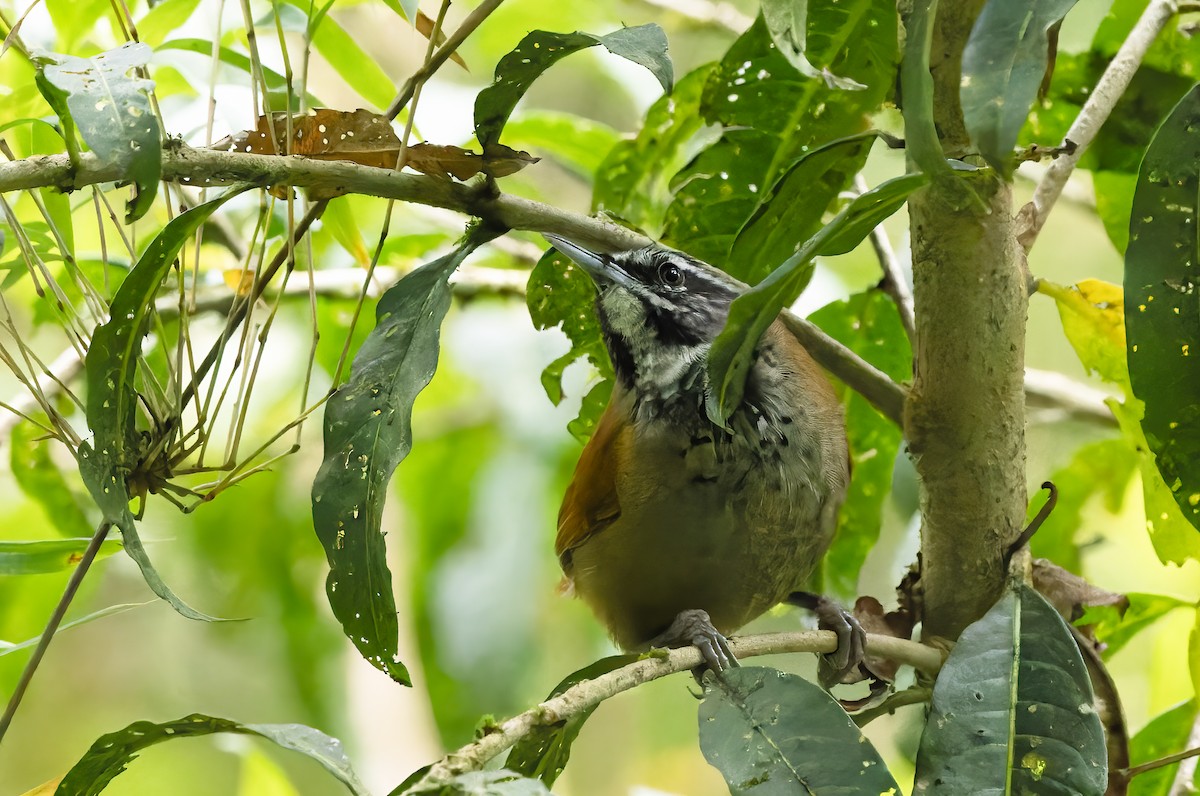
(60, 611)
(1095, 112)
(1161, 762)
(589, 693)
(1185, 777)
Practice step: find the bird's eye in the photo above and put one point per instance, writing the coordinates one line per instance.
(670, 275)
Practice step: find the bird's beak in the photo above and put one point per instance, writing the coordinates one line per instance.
(600, 267)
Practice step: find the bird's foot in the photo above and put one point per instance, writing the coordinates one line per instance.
(833, 667)
(694, 628)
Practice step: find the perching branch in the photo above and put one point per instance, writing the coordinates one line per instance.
(589, 693)
(1095, 112)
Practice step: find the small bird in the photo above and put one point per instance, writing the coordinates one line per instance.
(676, 531)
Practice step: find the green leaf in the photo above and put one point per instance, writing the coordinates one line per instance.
(755, 310)
(788, 22)
(1162, 317)
(39, 478)
(633, 181)
(1165, 734)
(1114, 204)
(358, 69)
(776, 734)
(112, 753)
(869, 325)
(164, 18)
(1012, 709)
(111, 368)
(1115, 630)
(405, 8)
(112, 110)
(544, 752)
(483, 783)
(772, 116)
(792, 210)
(1003, 65)
(579, 144)
(645, 45)
(368, 432)
(47, 555)
(922, 143)
(7, 647)
(276, 83)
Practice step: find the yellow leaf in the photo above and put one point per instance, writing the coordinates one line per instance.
(1093, 318)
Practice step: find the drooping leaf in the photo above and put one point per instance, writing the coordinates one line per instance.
(112, 753)
(869, 325)
(645, 45)
(771, 115)
(791, 211)
(788, 22)
(110, 106)
(751, 313)
(1162, 317)
(47, 555)
(111, 367)
(922, 144)
(776, 734)
(368, 432)
(1012, 709)
(483, 783)
(1003, 65)
(544, 752)
(40, 479)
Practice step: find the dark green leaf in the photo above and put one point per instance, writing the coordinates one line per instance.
(633, 181)
(1003, 65)
(39, 478)
(47, 555)
(111, 108)
(1012, 709)
(1162, 317)
(1165, 734)
(752, 312)
(791, 211)
(276, 83)
(776, 734)
(111, 367)
(544, 752)
(869, 325)
(112, 753)
(539, 50)
(484, 783)
(773, 115)
(368, 432)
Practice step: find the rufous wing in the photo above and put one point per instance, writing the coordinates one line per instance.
(591, 503)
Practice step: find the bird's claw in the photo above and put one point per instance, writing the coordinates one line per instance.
(694, 628)
(834, 667)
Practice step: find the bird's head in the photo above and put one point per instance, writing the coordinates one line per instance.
(659, 309)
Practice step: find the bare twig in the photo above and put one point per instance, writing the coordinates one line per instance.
(894, 282)
(1186, 775)
(589, 693)
(60, 611)
(1057, 393)
(1095, 112)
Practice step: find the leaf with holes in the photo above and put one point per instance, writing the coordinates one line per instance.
(1003, 66)
(368, 432)
(112, 753)
(752, 312)
(1162, 316)
(111, 365)
(771, 733)
(111, 109)
(645, 45)
(1013, 710)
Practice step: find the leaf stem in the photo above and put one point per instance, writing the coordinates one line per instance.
(60, 611)
(1142, 768)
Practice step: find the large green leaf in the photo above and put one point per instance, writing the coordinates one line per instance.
(111, 368)
(869, 325)
(645, 45)
(544, 752)
(111, 108)
(1012, 709)
(751, 313)
(47, 555)
(1003, 65)
(776, 734)
(792, 210)
(368, 432)
(112, 753)
(1162, 317)
(772, 115)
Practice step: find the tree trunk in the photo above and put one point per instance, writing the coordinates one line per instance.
(965, 418)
